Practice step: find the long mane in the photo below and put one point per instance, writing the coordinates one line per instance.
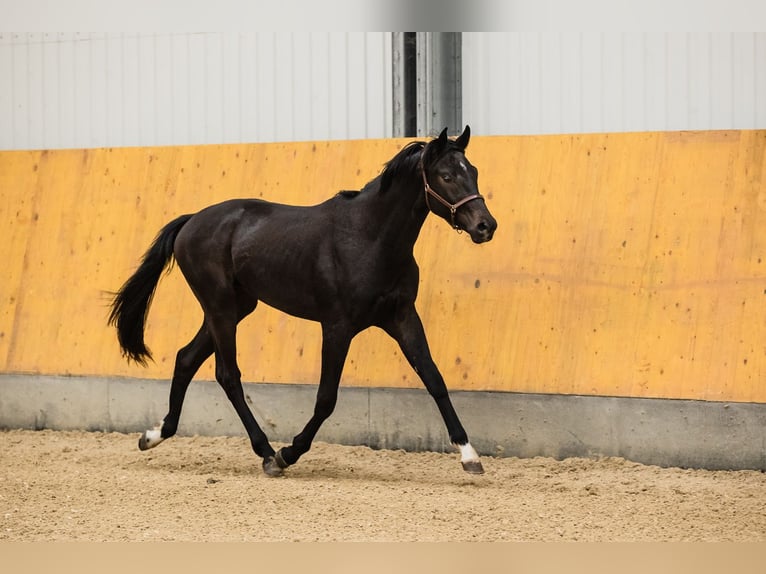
(403, 164)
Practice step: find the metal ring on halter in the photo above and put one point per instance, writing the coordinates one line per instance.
(453, 207)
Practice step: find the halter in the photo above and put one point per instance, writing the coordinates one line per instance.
(453, 207)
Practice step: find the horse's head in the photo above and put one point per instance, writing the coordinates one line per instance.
(452, 189)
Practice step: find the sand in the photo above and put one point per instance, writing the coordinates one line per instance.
(82, 486)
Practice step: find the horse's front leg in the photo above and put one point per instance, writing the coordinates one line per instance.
(335, 343)
(407, 329)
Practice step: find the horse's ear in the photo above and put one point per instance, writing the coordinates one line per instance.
(462, 140)
(439, 144)
(441, 141)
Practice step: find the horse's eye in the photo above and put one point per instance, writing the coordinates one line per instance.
(446, 177)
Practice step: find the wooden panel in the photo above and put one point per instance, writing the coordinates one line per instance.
(624, 264)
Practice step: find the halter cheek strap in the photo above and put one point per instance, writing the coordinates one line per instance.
(453, 207)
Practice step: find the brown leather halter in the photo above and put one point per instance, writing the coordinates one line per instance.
(453, 207)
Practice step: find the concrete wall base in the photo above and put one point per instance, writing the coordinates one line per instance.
(693, 434)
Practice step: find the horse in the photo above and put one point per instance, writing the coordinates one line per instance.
(346, 263)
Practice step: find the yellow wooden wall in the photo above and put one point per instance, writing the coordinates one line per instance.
(624, 264)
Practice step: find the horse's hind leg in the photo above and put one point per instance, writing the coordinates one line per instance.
(222, 322)
(188, 361)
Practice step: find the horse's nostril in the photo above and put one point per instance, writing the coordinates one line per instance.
(482, 226)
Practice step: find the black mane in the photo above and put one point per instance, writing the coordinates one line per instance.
(407, 161)
(402, 164)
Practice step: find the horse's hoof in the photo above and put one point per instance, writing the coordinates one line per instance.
(280, 460)
(473, 467)
(150, 439)
(271, 467)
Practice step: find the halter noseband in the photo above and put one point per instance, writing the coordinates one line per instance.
(453, 207)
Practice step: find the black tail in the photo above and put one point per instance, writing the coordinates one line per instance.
(131, 303)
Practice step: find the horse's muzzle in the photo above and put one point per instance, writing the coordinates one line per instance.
(484, 230)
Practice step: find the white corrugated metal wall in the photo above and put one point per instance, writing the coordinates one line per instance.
(94, 90)
(559, 82)
(61, 90)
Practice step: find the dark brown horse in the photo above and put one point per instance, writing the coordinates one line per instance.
(347, 263)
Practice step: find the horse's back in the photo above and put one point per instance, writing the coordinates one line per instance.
(277, 253)
(245, 219)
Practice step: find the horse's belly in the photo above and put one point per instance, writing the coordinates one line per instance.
(290, 286)
(295, 306)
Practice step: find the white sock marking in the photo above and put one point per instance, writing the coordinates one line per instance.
(467, 453)
(153, 437)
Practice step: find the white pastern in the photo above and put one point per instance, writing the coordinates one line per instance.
(467, 453)
(153, 437)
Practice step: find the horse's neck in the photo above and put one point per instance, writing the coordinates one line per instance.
(404, 212)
